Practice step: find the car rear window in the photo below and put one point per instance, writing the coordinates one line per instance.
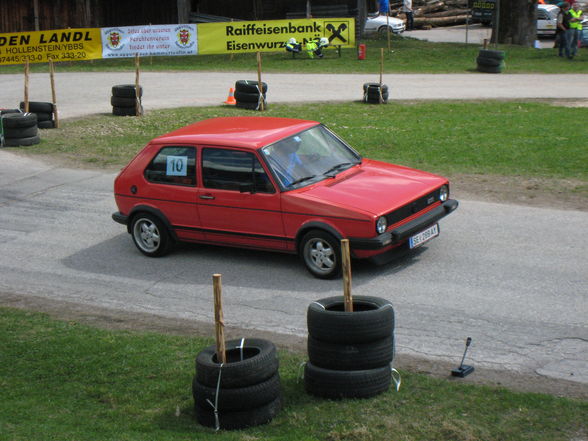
(173, 165)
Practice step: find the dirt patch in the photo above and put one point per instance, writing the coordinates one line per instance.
(122, 320)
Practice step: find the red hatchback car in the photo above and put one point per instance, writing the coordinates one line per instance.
(275, 184)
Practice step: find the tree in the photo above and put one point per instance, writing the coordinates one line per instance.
(516, 22)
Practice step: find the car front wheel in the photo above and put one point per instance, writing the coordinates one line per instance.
(150, 235)
(321, 253)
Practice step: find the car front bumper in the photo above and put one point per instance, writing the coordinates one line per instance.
(405, 231)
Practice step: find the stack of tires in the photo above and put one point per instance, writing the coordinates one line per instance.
(124, 100)
(243, 392)
(20, 129)
(249, 95)
(490, 61)
(375, 93)
(44, 112)
(350, 353)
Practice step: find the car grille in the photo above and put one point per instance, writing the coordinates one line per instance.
(412, 207)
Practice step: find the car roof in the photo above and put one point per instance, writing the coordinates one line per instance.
(548, 7)
(251, 132)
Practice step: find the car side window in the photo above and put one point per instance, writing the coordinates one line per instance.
(225, 169)
(173, 165)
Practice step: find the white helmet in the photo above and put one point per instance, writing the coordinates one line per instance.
(292, 41)
(324, 41)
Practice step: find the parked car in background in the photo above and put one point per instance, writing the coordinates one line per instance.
(584, 36)
(275, 184)
(546, 19)
(380, 23)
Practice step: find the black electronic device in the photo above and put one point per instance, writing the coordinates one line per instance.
(463, 369)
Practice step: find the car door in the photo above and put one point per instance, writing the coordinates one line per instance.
(173, 191)
(238, 203)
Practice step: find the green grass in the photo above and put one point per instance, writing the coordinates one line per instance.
(67, 381)
(408, 56)
(490, 137)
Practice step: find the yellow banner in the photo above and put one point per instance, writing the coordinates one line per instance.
(271, 36)
(59, 45)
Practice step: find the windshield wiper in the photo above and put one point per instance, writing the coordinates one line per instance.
(329, 173)
(298, 181)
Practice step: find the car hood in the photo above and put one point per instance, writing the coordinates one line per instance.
(373, 187)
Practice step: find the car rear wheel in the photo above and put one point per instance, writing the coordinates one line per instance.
(150, 235)
(321, 253)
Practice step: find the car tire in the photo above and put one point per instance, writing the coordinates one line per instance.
(17, 142)
(38, 107)
(372, 319)
(374, 87)
(351, 356)
(328, 383)
(46, 124)
(21, 132)
(490, 69)
(259, 363)
(249, 86)
(247, 97)
(126, 91)
(118, 101)
(488, 61)
(230, 399)
(250, 106)
(321, 254)
(239, 419)
(150, 235)
(489, 53)
(19, 120)
(125, 111)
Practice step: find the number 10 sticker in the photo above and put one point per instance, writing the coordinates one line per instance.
(177, 166)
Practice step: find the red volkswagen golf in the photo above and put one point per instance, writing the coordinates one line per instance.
(275, 184)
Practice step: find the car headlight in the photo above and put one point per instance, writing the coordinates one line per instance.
(381, 225)
(443, 193)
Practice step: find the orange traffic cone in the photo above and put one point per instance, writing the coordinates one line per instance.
(231, 98)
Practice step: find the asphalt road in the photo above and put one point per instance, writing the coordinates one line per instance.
(513, 278)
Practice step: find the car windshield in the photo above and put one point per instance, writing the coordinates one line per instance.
(308, 157)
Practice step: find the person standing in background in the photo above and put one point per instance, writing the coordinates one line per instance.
(384, 7)
(407, 9)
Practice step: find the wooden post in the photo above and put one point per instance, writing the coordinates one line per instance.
(262, 99)
(346, 263)
(138, 110)
(221, 352)
(26, 87)
(53, 92)
(388, 33)
(381, 73)
(485, 43)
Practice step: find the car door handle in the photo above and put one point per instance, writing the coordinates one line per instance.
(206, 196)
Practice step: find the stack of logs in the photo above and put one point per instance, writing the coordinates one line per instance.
(434, 13)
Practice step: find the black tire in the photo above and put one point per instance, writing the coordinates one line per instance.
(376, 96)
(333, 384)
(240, 419)
(237, 398)
(46, 124)
(375, 100)
(372, 319)
(260, 362)
(249, 86)
(126, 91)
(250, 106)
(351, 356)
(38, 107)
(321, 254)
(7, 111)
(19, 120)
(117, 101)
(489, 53)
(21, 132)
(16, 142)
(246, 97)
(150, 235)
(489, 69)
(44, 116)
(374, 87)
(489, 61)
(125, 111)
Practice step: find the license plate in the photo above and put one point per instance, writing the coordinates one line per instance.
(424, 236)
